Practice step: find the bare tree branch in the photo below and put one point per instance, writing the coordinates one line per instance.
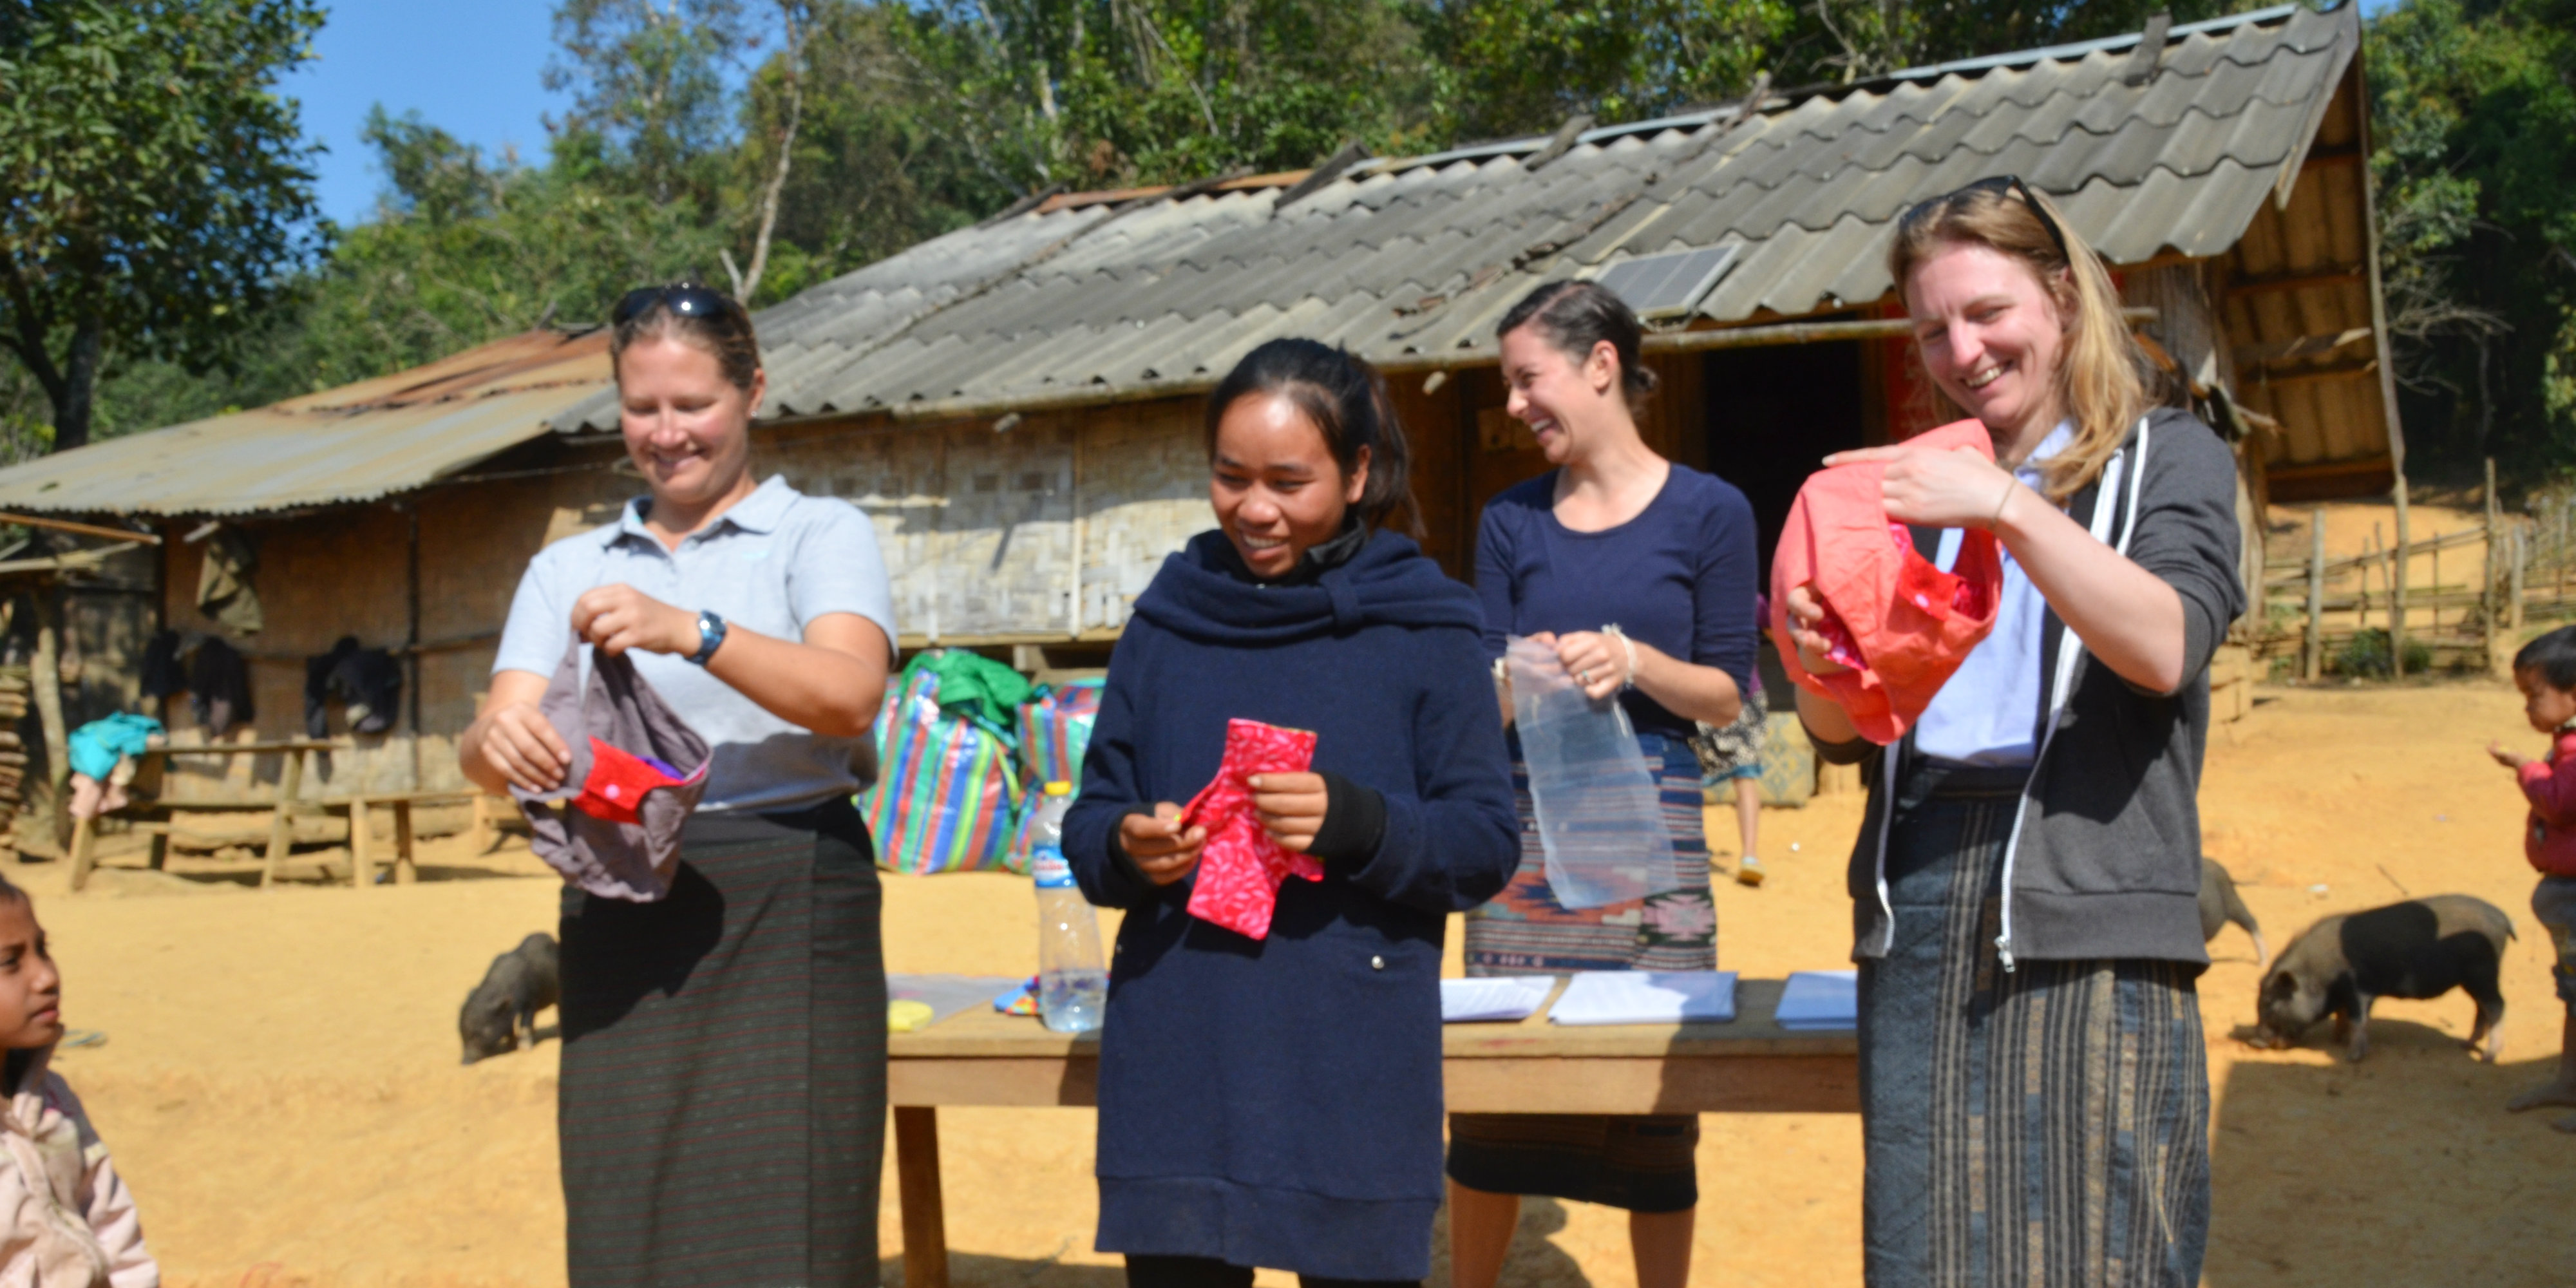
(793, 68)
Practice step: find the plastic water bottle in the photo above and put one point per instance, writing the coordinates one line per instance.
(1072, 988)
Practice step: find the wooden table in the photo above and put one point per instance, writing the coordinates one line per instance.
(1749, 1066)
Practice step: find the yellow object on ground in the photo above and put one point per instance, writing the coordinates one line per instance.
(904, 1017)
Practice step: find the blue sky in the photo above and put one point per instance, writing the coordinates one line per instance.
(473, 67)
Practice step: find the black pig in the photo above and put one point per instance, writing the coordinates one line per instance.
(522, 982)
(2417, 949)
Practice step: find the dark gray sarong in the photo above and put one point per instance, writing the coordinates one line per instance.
(2043, 1126)
(722, 1103)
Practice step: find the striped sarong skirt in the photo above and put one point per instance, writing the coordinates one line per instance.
(722, 1102)
(2047, 1125)
(1643, 1163)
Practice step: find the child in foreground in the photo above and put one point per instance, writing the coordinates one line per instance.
(2545, 671)
(71, 1221)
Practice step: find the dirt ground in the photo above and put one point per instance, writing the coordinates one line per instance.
(280, 1080)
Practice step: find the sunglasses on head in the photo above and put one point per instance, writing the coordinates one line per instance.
(2002, 185)
(682, 299)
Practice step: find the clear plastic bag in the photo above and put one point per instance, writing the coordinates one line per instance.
(1600, 813)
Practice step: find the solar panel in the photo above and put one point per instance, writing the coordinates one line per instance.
(1669, 285)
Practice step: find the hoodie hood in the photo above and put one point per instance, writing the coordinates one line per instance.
(1202, 594)
(43, 1158)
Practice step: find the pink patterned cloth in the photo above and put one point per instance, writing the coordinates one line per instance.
(1240, 870)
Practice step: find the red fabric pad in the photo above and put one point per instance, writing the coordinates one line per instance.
(617, 783)
(1240, 869)
(1901, 624)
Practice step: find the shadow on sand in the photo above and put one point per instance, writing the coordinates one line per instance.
(2403, 1168)
(1535, 1262)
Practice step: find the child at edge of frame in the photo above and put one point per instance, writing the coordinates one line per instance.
(71, 1219)
(2545, 671)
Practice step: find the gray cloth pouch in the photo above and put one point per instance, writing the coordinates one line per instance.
(611, 829)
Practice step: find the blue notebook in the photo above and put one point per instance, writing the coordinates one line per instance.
(1820, 999)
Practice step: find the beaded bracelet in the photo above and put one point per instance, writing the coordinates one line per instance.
(1628, 682)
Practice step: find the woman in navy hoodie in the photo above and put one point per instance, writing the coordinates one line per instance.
(1276, 1102)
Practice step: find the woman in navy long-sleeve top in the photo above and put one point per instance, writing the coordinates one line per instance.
(1276, 1102)
(1640, 572)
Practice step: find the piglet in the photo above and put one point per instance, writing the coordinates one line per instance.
(522, 982)
(2421, 948)
(2219, 905)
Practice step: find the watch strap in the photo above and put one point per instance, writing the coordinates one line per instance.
(711, 636)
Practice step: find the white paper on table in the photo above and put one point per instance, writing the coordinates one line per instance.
(1647, 997)
(1820, 999)
(1510, 997)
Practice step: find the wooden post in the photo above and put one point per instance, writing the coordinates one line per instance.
(2397, 591)
(45, 676)
(84, 852)
(2433, 607)
(925, 1219)
(2513, 597)
(2490, 597)
(2313, 655)
(405, 871)
(281, 825)
(362, 860)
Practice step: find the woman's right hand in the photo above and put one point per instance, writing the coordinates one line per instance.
(1162, 849)
(524, 747)
(1806, 612)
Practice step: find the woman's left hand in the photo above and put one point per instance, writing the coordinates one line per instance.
(619, 617)
(1291, 807)
(1959, 488)
(1598, 663)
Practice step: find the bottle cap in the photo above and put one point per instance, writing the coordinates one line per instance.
(1059, 789)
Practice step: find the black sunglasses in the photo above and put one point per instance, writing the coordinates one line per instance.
(2001, 185)
(681, 298)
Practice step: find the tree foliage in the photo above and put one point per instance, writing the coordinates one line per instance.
(775, 144)
(2474, 133)
(154, 186)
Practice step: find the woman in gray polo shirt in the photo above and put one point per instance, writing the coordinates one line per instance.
(722, 1101)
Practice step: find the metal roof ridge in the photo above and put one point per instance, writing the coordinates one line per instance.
(1532, 143)
(2077, 49)
(1789, 97)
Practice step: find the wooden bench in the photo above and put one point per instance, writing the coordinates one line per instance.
(362, 866)
(155, 814)
(154, 817)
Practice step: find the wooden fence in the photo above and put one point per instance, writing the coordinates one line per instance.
(2457, 600)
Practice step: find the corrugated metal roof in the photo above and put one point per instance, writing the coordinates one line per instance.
(354, 443)
(1411, 261)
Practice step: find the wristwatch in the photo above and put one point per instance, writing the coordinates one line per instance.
(711, 636)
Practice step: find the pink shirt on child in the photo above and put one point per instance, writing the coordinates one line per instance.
(2549, 840)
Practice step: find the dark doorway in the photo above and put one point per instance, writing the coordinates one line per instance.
(1773, 413)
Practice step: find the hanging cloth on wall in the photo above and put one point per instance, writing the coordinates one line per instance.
(219, 687)
(224, 590)
(162, 673)
(367, 680)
